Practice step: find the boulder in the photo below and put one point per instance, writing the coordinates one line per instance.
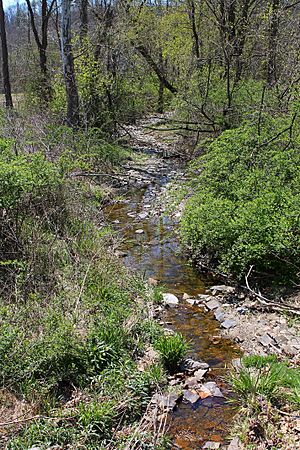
(140, 231)
(191, 382)
(204, 297)
(191, 301)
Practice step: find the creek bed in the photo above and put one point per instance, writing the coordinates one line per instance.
(150, 245)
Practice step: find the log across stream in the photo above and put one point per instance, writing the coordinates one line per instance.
(149, 244)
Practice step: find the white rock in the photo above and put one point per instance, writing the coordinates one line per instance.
(139, 231)
(170, 299)
(210, 445)
(143, 215)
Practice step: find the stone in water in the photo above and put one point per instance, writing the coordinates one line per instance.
(170, 299)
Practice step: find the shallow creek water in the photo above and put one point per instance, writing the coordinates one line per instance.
(157, 253)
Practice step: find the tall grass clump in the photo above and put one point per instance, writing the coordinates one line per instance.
(172, 349)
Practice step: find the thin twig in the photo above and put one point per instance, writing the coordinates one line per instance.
(267, 302)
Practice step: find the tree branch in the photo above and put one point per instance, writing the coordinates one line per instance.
(267, 302)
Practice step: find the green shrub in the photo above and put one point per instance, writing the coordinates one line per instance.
(246, 206)
(172, 349)
(26, 178)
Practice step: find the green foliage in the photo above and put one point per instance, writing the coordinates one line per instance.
(97, 418)
(245, 208)
(26, 178)
(265, 377)
(258, 361)
(172, 349)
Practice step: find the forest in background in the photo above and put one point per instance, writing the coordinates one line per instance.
(224, 76)
(217, 65)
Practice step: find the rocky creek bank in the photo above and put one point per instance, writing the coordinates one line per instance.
(242, 319)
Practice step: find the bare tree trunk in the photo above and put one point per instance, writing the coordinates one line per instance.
(195, 35)
(160, 103)
(83, 10)
(273, 36)
(68, 66)
(155, 67)
(5, 68)
(42, 44)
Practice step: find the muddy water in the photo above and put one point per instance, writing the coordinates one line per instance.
(156, 252)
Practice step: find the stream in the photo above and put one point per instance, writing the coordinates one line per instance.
(150, 244)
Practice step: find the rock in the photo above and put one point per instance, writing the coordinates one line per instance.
(210, 389)
(228, 323)
(191, 383)
(200, 373)
(213, 304)
(186, 296)
(266, 340)
(219, 314)
(116, 221)
(152, 281)
(140, 231)
(289, 350)
(235, 444)
(143, 215)
(190, 366)
(191, 301)
(121, 254)
(204, 297)
(210, 445)
(168, 401)
(131, 215)
(237, 364)
(170, 299)
(242, 310)
(223, 289)
(190, 396)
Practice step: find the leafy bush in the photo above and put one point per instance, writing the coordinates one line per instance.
(172, 350)
(246, 206)
(26, 178)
